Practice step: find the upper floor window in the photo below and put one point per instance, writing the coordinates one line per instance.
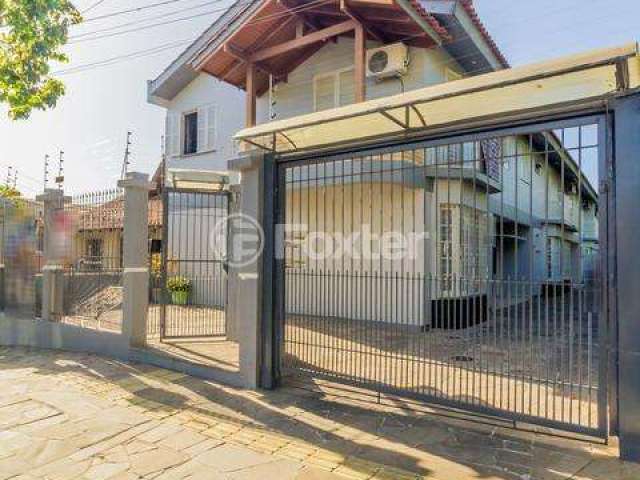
(334, 89)
(191, 132)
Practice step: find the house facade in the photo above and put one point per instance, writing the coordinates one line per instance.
(378, 120)
(202, 115)
(499, 208)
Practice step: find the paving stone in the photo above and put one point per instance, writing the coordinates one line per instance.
(105, 471)
(311, 473)
(610, 469)
(156, 460)
(75, 416)
(208, 444)
(161, 432)
(280, 469)
(183, 440)
(229, 458)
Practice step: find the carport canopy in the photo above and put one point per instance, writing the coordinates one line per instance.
(588, 78)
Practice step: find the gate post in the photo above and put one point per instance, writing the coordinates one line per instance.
(233, 290)
(627, 277)
(135, 278)
(52, 270)
(247, 302)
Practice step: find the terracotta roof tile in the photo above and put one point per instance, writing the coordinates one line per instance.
(473, 13)
(440, 30)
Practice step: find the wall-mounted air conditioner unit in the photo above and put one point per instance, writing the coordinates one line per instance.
(387, 61)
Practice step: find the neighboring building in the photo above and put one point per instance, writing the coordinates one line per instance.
(514, 207)
(203, 114)
(97, 229)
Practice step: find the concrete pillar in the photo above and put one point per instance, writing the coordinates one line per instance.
(233, 291)
(53, 201)
(623, 298)
(245, 297)
(135, 281)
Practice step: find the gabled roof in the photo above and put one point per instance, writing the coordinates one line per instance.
(180, 73)
(459, 17)
(411, 21)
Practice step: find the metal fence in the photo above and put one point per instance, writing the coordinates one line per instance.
(89, 231)
(464, 271)
(188, 287)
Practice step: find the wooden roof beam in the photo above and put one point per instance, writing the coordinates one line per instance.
(269, 34)
(305, 41)
(371, 31)
(244, 58)
(299, 15)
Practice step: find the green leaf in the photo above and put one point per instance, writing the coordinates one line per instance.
(33, 36)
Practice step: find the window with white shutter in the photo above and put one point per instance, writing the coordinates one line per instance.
(206, 128)
(212, 125)
(324, 92)
(346, 88)
(335, 89)
(172, 135)
(202, 129)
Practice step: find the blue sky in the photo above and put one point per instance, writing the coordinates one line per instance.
(104, 101)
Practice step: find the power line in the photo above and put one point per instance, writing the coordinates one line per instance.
(130, 10)
(87, 36)
(120, 58)
(84, 37)
(91, 7)
(147, 19)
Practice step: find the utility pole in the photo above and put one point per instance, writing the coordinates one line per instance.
(60, 177)
(9, 172)
(46, 171)
(15, 179)
(127, 152)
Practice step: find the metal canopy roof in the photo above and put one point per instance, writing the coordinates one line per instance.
(590, 76)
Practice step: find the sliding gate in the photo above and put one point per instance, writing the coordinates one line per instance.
(466, 272)
(193, 276)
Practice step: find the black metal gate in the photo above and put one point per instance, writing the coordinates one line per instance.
(466, 271)
(193, 277)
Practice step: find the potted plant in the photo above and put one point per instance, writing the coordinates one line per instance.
(180, 287)
(155, 278)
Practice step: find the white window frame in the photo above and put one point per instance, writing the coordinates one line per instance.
(336, 81)
(183, 131)
(179, 119)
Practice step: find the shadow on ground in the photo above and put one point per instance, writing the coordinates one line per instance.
(419, 442)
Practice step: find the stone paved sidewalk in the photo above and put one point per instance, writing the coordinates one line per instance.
(68, 416)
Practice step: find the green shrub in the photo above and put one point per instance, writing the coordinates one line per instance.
(179, 284)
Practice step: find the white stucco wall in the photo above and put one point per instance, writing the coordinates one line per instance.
(295, 97)
(229, 100)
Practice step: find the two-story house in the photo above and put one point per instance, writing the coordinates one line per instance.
(508, 207)
(202, 115)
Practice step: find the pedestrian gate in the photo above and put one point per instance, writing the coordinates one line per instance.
(466, 272)
(192, 275)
